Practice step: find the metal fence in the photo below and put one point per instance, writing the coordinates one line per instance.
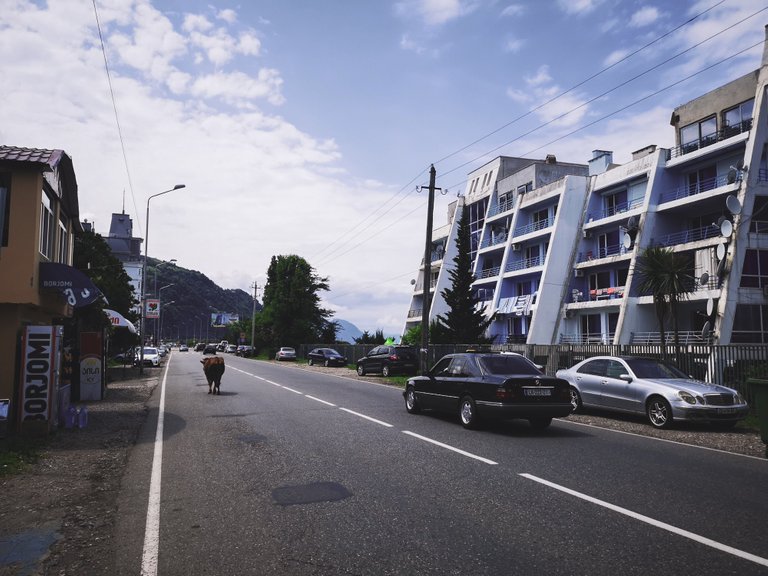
(730, 366)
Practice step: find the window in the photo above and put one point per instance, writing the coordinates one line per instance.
(738, 119)
(62, 255)
(755, 271)
(750, 324)
(527, 187)
(5, 208)
(702, 180)
(46, 226)
(698, 134)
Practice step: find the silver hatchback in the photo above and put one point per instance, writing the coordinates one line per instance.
(651, 387)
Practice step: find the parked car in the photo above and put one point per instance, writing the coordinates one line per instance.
(484, 386)
(231, 349)
(151, 356)
(200, 346)
(651, 387)
(245, 351)
(326, 357)
(183, 348)
(389, 360)
(210, 349)
(285, 353)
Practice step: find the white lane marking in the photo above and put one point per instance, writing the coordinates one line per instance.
(448, 447)
(652, 522)
(294, 391)
(319, 400)
(367, 417)
(566, 421)
(152, 527)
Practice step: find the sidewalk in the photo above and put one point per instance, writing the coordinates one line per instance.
(58, 515)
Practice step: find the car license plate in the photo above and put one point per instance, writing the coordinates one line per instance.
(727, 411)
(537, 391)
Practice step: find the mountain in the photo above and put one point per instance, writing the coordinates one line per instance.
(347, 331)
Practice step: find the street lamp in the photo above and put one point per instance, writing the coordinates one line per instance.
(160, 311)
(159, 321)
(144, 273)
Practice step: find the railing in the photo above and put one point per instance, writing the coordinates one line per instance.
(524, 263)
(414, 313)
(602, 252)
(762, 175)
(606, 293)
(500, 207)
(758, 226)
(617, 209)
(692, 189)
(490, 272)
(589, 338)
(704, 141)
(493, 239)
(692, 235)
(535, 226)
(686, 337)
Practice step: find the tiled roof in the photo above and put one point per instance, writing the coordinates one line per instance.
(30, 155)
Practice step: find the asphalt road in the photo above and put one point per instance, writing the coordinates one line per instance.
(294, 472)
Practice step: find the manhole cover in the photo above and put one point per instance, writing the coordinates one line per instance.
(310, 493)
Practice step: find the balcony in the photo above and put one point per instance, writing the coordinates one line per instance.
(494, 239)
(694, 189)
(490, 272)
(524, 263)
(588, 338)
(686, 236)
(535, 226)
(501, 207)
(602, 252)
(703, 142)
(617, 209)
(686, 337)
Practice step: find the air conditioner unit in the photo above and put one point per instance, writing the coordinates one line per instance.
(516, 247)
(586, 233)
(578, 273)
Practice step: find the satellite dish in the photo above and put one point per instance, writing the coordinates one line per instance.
(721, 268)
(732, 174)
(710, 306)
(632, 223)
(720, 221)
(720, 251)
(627, 242)
(726, 228)
(704, 280)
(733, 204)
(706, 330)
(413, 282)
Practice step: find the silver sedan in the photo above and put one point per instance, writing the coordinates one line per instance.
(651, 387)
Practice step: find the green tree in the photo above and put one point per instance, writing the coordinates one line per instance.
(464, 323)
(665, 274)
(292, 314)
(367, 338)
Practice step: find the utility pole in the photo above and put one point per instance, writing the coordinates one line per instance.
(253, 316)
(427, 275)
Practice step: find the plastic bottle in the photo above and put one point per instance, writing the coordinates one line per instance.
(70, 417)
(82, 417)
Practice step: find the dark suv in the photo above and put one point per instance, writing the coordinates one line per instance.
(389, 360)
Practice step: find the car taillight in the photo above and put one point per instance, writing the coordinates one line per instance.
(503, 394)
(393, 357)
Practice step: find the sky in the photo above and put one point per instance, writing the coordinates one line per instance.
(308, 127)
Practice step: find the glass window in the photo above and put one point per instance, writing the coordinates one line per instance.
(595, 367)
(46, 226)
(63, 241)
(738, 118)
(5, 208)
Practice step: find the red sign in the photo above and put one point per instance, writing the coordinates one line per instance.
(152, 308)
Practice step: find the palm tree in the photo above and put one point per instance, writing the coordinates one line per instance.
(665, 275)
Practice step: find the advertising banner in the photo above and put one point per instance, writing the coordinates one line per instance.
(223, 319)
(76, 287)
(38, 373)
(152, 308)
(119, 321)
(91, 377)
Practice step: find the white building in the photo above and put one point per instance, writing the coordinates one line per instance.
(554, 245)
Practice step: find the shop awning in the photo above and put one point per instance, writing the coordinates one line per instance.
(119, 321)
(76, 287)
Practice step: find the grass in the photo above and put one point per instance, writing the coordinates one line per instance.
(16, 453)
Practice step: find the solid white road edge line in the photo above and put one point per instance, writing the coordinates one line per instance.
(652, 522)
(152, 527)
(367, 417)
(447, 447)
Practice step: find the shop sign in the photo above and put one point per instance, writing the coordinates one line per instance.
(38, 373)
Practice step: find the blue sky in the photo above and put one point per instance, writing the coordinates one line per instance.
(304, 126)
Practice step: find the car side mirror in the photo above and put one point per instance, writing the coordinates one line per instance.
(626, 377)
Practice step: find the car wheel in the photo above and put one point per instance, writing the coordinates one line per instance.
(360, 370)
(575, 401)
(540, 423)
(385, 371)
(659, 412)
(310, 362)
(468, 413)
(411, 405)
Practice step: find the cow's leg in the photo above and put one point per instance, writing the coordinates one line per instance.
(210, 386)
(218, 383)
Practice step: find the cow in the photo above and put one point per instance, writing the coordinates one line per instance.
(213, 367)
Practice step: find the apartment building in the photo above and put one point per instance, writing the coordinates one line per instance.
(555, 245)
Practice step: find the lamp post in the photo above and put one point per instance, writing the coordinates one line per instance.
(160, 309)
(159, 329)
(144, 274)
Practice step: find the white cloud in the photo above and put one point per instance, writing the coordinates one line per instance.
(578, 6)
(513, 45)
(229, 16)
(513, 10)
(646, 16)
(435, 12)
(542, 77)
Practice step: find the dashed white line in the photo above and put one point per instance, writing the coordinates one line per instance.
(367, 417)
(652, 522)
(452, 448)
(294, 391)
(319, 400)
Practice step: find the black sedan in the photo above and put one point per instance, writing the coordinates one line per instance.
(479, 386)
(326, 357)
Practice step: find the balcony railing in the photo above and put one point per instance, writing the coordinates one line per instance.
(758, 226)
(490, 272)
(686, 337)
(617, 209)
(414, 313)
(762, 175)
(692, 235)
(494, 239)
(692, 189)
(588, 338)
(602, 252)
(535, 226)
(704, 141)
(500, 207)
(524, 263)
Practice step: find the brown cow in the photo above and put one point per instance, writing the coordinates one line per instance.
(214, 369)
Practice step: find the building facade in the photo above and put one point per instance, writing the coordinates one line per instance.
(555, 246)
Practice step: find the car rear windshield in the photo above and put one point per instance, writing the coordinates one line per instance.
(508, 365)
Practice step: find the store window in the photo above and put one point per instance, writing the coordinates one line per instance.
(47, 230)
